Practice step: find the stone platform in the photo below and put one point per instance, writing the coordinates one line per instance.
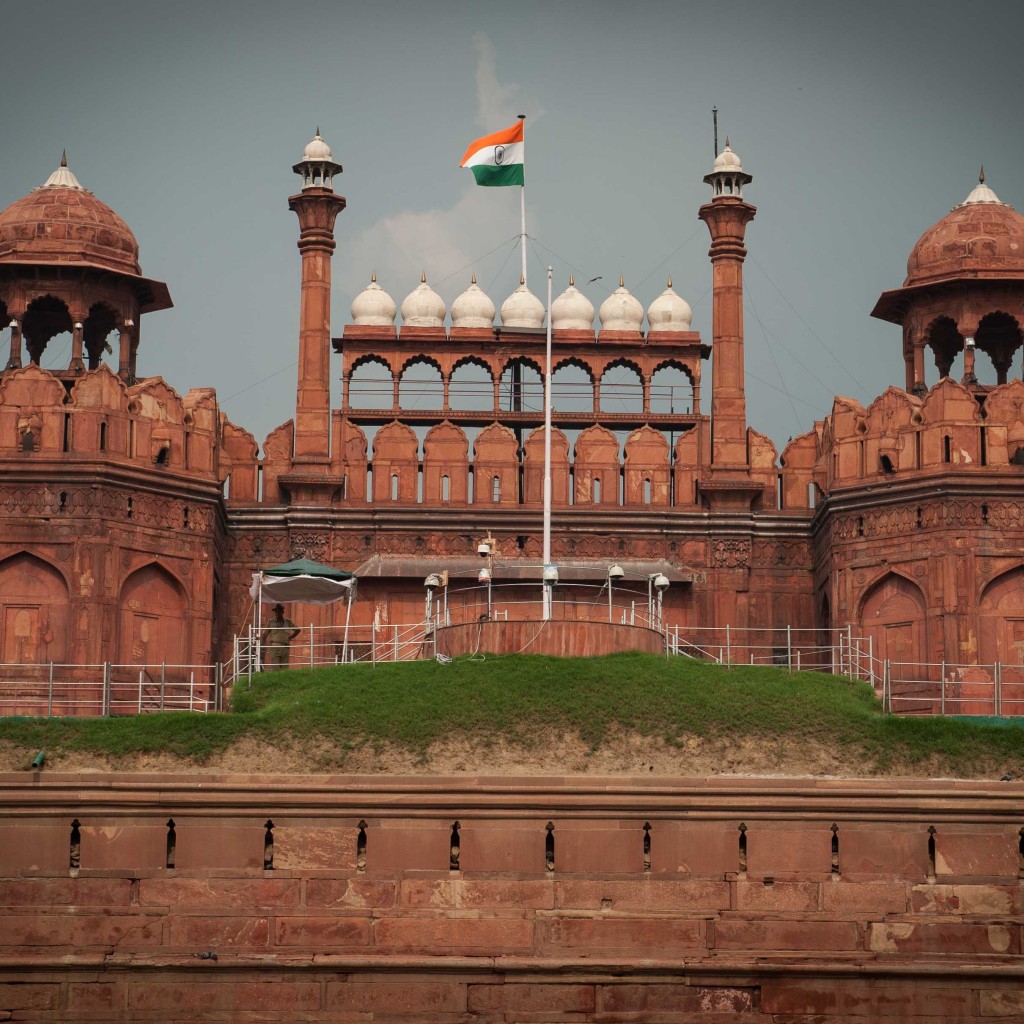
(485, 900)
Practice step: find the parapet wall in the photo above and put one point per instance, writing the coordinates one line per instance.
(531, 900)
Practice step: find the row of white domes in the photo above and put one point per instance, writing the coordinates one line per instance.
(572, 310)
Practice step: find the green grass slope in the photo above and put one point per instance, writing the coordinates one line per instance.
(519, 700)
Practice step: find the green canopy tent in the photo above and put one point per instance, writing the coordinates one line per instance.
(306, 582)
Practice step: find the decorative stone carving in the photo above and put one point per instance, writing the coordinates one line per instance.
(730, 554)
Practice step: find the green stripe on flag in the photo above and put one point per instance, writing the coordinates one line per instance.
(487, 175)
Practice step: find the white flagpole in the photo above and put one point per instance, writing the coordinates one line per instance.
(522, 202)
(547, 456)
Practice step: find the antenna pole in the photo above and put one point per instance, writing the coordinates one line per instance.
(714, 115)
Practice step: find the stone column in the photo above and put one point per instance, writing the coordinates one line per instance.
(124, 351)
(15, 360)
(727, 218)
(77, 364)
(317, 209)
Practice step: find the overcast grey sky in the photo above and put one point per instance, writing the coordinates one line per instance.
(862, 124)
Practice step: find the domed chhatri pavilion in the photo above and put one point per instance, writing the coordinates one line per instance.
(133, 517)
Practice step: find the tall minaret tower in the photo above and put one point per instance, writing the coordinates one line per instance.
(317, 207)
(728, 483)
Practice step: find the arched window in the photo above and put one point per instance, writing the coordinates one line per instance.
(371, 385)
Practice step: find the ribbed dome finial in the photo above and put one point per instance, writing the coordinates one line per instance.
(981, 175)
(64, 158)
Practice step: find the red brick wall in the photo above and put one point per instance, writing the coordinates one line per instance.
(692, 928)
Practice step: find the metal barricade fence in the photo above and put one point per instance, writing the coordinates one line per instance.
(103, 689)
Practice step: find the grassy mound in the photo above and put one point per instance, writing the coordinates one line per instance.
(517, 699)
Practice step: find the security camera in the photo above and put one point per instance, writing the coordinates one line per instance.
(483, 549)
(660, 582)
(615, 572)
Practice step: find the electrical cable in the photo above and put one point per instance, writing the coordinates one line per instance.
(813, 333)
(775, 362)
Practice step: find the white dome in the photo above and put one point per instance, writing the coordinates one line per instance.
(373, 307)
(727, 160)
(572, 311)
(981, 193)
(669, 312)
(473, 308)
(621, 311)
(317, 149)
(423, 307)
(522, 309)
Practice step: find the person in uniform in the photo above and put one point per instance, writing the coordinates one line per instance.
(275, 638)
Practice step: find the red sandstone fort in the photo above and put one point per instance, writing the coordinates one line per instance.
(133, 519)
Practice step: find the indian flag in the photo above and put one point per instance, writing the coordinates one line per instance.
(497, 159)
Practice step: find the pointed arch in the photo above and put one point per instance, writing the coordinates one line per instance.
(596, 469)
(999, 336)
(572, 386)
(622, 387)
(496, 466)
(943, 337)
(445, 465)
(646, 468)
(46, 317)
(370, 383)
(533, 467)
(471, 385)
(395, 463)
(1001, 618)
(421, 383)
(893, 612)
(34, 611)
(153, 618)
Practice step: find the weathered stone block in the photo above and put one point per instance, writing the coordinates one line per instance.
(35, 848)
(124, 847)
(219, 892)
(233, 932)
(17, 996)
(885, 853)
(478, 893)
(326, 934)
(754, 894)
(632, 998)
(393, 849)
(206, 997)
(868, 1000)
(841, 897)
(947, 937)
(599, 847)
(701, 850)
(531, 998)
(645, 893)
(210, 845)
(333, 847)
(473, 936)
(642, 937)
(349, 892)
(398, 996)
(81, 931)
(503, 846)
(988, 900)
(812, 936)
(772, 850)
(993, 854)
